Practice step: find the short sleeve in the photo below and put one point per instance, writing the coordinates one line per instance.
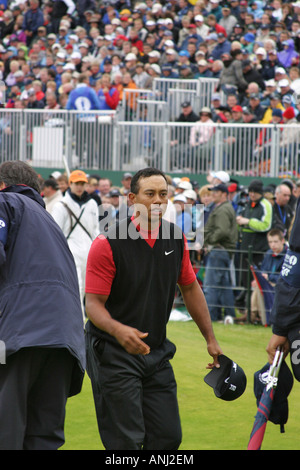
(100, 270)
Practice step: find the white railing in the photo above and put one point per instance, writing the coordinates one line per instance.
(93, 140)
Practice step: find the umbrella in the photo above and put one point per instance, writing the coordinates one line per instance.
(266, 289)
(265, 404)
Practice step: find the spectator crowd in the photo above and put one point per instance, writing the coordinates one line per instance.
(50, 48)
(220, 220)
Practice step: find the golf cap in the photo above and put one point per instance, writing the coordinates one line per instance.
(78, 176)
(114, 192)
(280, 409)
(221, 175)
(228, 381)
(219, 187)
(185, 185)
(180, 197)
(190, 194)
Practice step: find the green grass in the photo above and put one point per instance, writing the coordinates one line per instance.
(208, 423)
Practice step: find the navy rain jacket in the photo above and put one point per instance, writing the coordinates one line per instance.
(39, 295)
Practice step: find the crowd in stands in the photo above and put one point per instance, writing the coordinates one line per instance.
(261, 217)
(50, 47)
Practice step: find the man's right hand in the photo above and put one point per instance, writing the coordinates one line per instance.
(131, 339)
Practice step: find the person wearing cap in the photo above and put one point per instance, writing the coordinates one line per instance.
(183, 214)
(51, 194)
(255, 221)
(108, 95)
(289, 137)
(201, 140)
(77, 216)
(33, 19)
(220, 237)
(228, 20)
(43, 329)
(125, 183)
(201, 28)
(223, 47)
(84, 98)
(232, 74)
(283, 213)
(251, 74)
(288, 56)
(128, 309)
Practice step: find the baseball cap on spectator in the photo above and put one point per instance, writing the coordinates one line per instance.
(202, 62)
(219, 187)
(277, 112)
(256, 186)
(75, 55)
(130, 56)
(289, 113)
(279, 70)
(216, 97)
(69, 66)
(247, 110)
(114, 192)
(127, 175)
(254, 96)
(237, 109)
(190, 194)
(287, 99)
(270, 82)
(233, 187)
(150, 23)
(212, 37)
(199, 18)
(221, 175)
(154, 54)
(184, 53)
(275, 96)
(249, 37)
(184, 185)
(185, 104)
(180, 198)
(283, 83)
(78, 176)
(156, 68)
(170, 51)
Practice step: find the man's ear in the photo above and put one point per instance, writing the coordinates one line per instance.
(131, 197)
(2, 186)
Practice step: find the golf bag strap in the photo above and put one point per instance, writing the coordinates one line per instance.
(77, 220)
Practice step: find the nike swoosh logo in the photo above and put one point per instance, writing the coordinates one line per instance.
(168, 252)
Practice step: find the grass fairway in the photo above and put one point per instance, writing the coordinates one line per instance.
(208, 423)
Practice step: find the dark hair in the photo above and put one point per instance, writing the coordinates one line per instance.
(51, 182)
(19, 173)
(144, 173)
(276, 231)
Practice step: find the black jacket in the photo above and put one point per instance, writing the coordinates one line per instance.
(39, 295)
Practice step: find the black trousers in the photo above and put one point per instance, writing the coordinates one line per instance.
(34, 386)
(135, 396)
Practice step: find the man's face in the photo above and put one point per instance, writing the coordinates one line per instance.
(104, 186)
(151, 199)
(275, 243)
(283, 197)
(254, 197)
(216, 196)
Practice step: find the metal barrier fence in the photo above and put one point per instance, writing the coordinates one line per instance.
(103, 141)
(217, 299)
